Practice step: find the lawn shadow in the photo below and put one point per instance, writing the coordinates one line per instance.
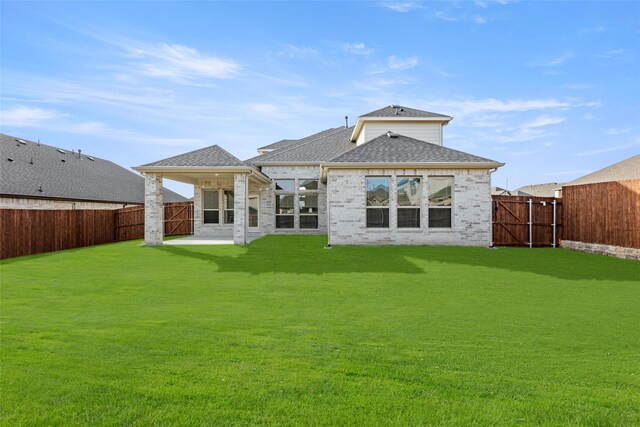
(307, 255)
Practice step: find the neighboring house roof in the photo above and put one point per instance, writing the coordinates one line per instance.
(621, 171)
(400, 111)
(42, 171)
(499, 191)
(393, 148)
(317, 148)
(213, 155)
(538, 190)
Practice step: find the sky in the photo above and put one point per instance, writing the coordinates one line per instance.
(552, 89)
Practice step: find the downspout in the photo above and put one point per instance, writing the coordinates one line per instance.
(491, 210)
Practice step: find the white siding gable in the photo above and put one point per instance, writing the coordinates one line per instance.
(424, 131)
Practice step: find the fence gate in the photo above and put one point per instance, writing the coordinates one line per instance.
(526, 221)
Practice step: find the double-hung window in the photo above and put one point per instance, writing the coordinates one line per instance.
(285, 209)
(211, 207)
(408, 201)
(440, 201)
(308, 203)
(377, 201)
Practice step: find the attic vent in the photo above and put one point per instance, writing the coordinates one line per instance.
(91, 158)
(392, 134)
(21, 141)
(61, 151)
(10, 159)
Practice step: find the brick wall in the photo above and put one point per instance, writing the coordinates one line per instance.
(471, 216)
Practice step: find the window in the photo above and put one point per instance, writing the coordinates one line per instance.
(228, 207)
(284, 211)
(253, 211)
(211, 207)
(285, 185)
(408, 202)
(308, 184)
(377, 202)
(440, 191)
(308, 204)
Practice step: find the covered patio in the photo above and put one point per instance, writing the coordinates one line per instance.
(226, 198)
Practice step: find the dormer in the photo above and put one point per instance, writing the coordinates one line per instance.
(417, 124)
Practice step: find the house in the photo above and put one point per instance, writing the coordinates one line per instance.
(549, 189)
(499, 191)
(386, 180)
(38, 176)
(628, 169)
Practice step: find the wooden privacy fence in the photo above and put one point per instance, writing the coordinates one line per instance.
(606, 213)
(178, 220)
(27, 232)
(517, 222)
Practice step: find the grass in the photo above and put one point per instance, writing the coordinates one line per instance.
(282, 331)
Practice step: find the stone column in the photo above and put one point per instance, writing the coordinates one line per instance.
(153, 209)
(240, 207)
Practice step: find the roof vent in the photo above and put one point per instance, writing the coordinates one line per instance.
(61, 151)
(91, 158)
(21, 141)
(40, 189)
(392, 134)
(63, 160)
(10, 159)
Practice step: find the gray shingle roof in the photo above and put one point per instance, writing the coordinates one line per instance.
(625, 170)
(213, 155)
(276, 145)
(390, 111)
(67, 176)
(316, 148)
(537, 190)
(404, 149)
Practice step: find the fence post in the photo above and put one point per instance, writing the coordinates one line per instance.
(530, 224)
(554, 223)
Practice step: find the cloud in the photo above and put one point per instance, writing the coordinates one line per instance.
(635, 143)
(395, 63)
(551, 62)
(402, 6)
(543, 121)
(612, 53)
(296, 52)
(593, 30)
(22, 116)
(479, 20)
(357, 49)
(615, 131)
(182, 62)
(444, 16)
(475, 106)
(578, 86)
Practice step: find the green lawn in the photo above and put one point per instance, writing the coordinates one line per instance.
(283, 331)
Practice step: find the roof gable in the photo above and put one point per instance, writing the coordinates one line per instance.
(43, 171)
(403, 149)
(213, 155)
